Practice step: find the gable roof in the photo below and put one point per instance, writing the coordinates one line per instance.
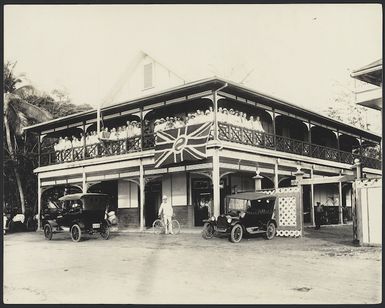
(371, 73)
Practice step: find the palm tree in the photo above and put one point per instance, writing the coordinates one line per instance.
(18, 113)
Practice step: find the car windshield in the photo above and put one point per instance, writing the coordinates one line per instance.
(52, 204)
(237, 205)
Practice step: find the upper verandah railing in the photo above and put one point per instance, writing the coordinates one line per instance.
(226, 132)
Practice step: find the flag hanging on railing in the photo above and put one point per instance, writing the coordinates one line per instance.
(186, 143)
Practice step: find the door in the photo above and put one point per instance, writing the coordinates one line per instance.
(202, 200)
(152, 200)
(306, 199)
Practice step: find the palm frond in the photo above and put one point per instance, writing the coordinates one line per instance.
(33, 112)
(24, 90)
(21, 122)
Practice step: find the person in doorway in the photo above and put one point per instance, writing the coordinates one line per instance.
(318, 215)
(167, 211)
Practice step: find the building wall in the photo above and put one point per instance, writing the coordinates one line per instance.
(163, 78)
(175, 187)
(128, 204)
(128, 194)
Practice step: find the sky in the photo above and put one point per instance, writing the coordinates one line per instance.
(300, 53)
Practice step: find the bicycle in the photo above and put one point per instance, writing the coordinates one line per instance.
(158, 226)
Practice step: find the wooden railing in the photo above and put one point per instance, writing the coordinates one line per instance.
(231, 133)
(226, 132)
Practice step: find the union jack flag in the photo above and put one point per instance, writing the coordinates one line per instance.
(181, 144)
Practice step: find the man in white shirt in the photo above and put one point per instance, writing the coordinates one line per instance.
(167, 211)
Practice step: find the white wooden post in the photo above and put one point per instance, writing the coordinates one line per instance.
(38, 202)
(299, 176)
(258, 181)
(84, 181)
(141, 185)
(216, 180)
(276, 175)
(312, 198)
(340, 203)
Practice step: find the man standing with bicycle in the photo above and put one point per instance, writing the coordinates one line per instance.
(167, 211)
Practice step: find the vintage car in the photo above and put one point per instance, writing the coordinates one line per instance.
(79, 213)
(245, 213)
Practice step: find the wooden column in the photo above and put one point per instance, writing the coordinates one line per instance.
(340, 203)
(312, 198)
(258, 181)
(215, 99)
(39, 149)
(360, 147)
(39, 193)
(84, 140)
(338, 140)
(274, 132)
(276, 174)
(298, 177)
(216, 180)
(84, 186)
(141, 128)
(141, 187)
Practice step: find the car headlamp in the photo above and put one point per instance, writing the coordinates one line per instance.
(212, 218)
(229, 220)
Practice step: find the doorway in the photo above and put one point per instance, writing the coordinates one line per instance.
(306, 199)
(152, 201)
(202, 194)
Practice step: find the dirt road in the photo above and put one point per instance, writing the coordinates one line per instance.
(322, 268)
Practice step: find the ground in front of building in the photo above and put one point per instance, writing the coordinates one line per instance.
(321, 268)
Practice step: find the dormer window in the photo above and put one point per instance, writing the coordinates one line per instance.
(148, 75)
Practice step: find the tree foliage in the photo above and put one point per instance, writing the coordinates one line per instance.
(345, 109)
(24, 105)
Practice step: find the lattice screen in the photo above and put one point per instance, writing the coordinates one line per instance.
(287, 211)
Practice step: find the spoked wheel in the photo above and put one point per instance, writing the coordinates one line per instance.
(105, 231)
(236, 234)
(175, 226)
(157, 227)
(47, 231)
(270, 231)
(76, 233)
(208, 231)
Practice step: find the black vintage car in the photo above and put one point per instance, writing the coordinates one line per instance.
(79, 213)
(245, 213)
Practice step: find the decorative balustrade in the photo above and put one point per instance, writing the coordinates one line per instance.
(231, 133)
(226, 132)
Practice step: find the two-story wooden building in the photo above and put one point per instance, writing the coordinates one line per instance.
(293, 141)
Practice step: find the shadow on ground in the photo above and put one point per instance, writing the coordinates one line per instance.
(342, 235)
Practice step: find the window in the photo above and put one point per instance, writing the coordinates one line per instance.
(148, 76)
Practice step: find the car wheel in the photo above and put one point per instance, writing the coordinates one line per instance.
(236, 233)
(48, 231)
(105, 232)
(270, 231)
(208, 231)
(76, 233)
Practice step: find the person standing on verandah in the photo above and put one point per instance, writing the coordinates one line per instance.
(168, 212)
